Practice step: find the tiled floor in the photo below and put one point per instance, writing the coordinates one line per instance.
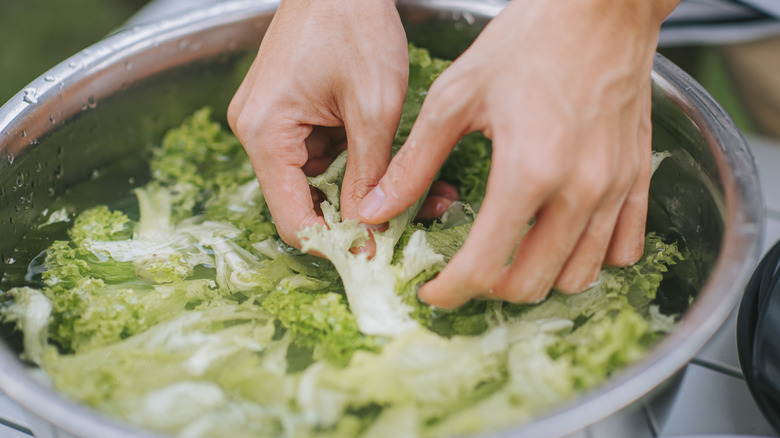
(712, 398)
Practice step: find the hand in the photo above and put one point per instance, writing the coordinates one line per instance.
(563, 90)
(329, 74)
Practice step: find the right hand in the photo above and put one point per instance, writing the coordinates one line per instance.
(328, 71)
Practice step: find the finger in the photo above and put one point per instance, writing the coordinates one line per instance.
(445, 190)
(543, 251)
(438, 127)
(433, 207)
(440, 196)
(278, 158)
(369, 146)
(627, 244)
(479, 264)
(581, 270)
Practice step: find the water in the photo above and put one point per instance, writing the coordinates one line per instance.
(31, 96)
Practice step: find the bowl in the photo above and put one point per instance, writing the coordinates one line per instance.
(102, 103)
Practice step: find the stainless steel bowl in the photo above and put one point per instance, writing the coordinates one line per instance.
(124, 92)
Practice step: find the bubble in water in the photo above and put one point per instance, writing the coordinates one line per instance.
(19, 180)
(49, 78)
(24, 134)
(91, 102)
(31, 95)
(38, 166)
(95, 173)
(10, 261)
(131, 180)
(11, 158)
(52, 120)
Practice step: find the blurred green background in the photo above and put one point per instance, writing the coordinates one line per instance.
(35, 35)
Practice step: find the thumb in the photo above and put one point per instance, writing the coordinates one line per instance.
(413, 168)
(368, 155)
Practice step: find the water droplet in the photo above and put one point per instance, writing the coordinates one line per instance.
(84, 107)
(11, 158)
(31, 95)
(72, 64)
(95, 173)
(38, 166)
(131, 180)
(58, 172)
(469, 17)
(19, 180)
(59, 152)
(30, 198)
(10, 261)
(91, 102)
(51, 120)
(50, 192)
(49, 78)
(24, 134)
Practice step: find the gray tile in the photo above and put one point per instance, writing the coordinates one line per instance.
(8, 432)
(767, 154)
(11, 414)
(709, 402)
(633, 422)
(721, 351)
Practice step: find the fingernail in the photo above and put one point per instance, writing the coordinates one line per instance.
(371, 204)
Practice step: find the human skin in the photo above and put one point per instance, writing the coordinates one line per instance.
(566, 100)
(328, 75)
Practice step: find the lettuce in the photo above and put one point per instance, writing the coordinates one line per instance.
(191, 317)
